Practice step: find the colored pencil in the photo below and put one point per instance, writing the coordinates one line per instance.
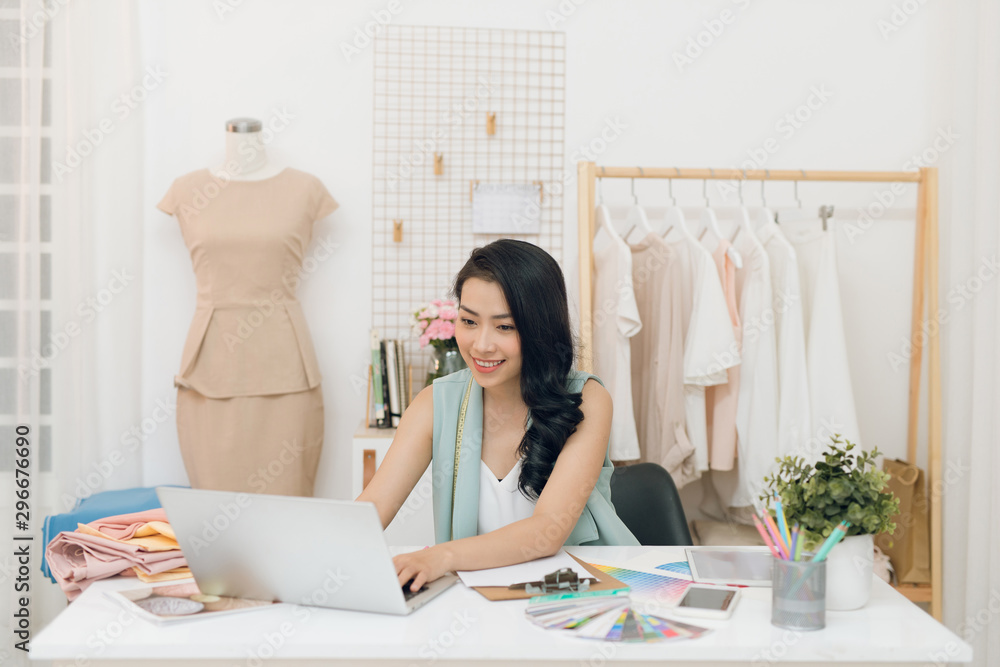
(763, 534)
(799, 539)
(835, 537)
(780, 543)
(782, 524)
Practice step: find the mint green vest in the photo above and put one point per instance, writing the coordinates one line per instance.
(598, 523)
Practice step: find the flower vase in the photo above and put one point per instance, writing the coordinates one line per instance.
(446, 362)
(849, 573)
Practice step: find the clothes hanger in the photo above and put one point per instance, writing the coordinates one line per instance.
(825, 213)
(636, 217)
(674, 216)
(743, 216)
(710, 223)
(767, 216)
(602, 216)
(798, 201)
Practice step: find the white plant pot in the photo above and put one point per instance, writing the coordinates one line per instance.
(849, 573)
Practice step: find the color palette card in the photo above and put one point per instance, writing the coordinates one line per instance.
(678, 568)
(667, 561)
(648, 588)
(608, 617)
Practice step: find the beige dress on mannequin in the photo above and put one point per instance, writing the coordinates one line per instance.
(249, 400)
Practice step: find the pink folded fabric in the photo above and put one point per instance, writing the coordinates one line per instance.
(79, 559)
(123, 526)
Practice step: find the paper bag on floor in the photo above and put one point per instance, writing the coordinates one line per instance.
(909, 548)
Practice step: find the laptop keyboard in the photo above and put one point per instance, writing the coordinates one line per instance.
(408, 594)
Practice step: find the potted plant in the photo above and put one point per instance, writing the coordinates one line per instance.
(844, 485)
(434, 324)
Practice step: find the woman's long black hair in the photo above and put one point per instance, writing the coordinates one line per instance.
(533, 285)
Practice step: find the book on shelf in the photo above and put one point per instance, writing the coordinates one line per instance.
(388, 386)
(392, 373)
(404, 395)
(376, 349)
(387, 421)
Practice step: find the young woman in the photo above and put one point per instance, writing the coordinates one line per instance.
(527, 435)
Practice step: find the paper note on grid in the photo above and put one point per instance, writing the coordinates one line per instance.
(506, 208)
(534, 570)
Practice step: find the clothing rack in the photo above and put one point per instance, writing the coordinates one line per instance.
(925, 283)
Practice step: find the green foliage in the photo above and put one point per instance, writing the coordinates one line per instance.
(843, 486)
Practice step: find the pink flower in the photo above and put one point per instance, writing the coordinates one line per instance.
(435, 321)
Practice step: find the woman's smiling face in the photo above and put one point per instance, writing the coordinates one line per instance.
(486, 335)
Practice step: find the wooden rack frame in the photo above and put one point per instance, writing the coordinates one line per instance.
(925, 282)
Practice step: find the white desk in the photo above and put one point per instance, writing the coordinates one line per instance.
(461, 627)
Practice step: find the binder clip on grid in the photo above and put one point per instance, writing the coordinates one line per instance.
(559, 581)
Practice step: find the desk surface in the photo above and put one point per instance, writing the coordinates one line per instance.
(462, 626)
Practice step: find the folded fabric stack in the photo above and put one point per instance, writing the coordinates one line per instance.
(141, 544)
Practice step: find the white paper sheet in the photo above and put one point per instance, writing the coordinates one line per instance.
(516, 574)
(506, 208)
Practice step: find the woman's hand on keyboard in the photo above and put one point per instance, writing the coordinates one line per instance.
(422, 566)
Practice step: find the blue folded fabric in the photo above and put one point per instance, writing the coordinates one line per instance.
(98, 506)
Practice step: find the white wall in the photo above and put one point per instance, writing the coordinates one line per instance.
(722, 107)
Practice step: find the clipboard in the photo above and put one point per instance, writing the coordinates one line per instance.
(497, 593)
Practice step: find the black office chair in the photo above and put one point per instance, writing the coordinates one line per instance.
(646, 500)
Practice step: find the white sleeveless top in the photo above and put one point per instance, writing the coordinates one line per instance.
(500, 503)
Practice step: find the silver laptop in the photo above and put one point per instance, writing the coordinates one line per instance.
(311, 551)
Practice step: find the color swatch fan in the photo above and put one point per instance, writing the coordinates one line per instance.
(604, 615)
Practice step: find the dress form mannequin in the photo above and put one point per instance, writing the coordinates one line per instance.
(246, 156)
(250, 415)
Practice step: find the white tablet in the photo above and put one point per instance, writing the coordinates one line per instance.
(745, 566)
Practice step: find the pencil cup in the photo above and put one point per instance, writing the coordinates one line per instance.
(798, 594)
